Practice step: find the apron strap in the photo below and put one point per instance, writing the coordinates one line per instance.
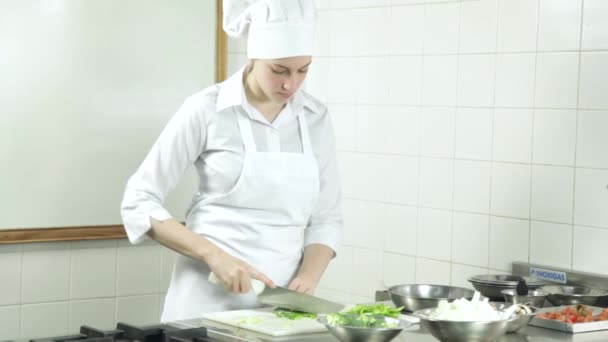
(246, 132)
(306, 145)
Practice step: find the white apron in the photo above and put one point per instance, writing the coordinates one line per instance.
(261, 221)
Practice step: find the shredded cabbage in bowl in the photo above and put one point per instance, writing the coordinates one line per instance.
(474, 310)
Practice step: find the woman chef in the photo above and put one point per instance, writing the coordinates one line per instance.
(268, 204)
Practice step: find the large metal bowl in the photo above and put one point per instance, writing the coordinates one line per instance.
(521, 320)
(573, 295)
(421, 296)
(363, 334)
(535, 298)
(463, 331)
(492, 285)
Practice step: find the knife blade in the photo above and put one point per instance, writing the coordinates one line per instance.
(286, 298)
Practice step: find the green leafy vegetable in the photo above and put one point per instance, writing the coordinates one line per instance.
(377, 309)
(360, 321)
(293, 314)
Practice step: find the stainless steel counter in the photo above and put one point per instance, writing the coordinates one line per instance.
(414, 333)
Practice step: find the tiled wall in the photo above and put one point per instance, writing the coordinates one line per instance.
(51, 289)
(471, 134)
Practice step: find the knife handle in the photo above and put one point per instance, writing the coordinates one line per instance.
(256, 286)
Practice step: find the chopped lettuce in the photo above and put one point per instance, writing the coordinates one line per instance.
(293, 314)
(360, 321)
(376, 309)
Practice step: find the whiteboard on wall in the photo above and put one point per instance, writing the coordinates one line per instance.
(85, 89)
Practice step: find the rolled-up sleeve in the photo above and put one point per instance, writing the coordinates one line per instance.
(326, 222)
(178, 146)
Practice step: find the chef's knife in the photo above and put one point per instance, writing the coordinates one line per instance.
(286, 298)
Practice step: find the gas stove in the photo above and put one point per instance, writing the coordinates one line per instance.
(130, 333)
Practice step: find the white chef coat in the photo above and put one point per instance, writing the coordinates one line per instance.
(204, 132)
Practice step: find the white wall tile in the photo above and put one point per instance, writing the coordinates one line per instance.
(373, 74)
(51, 268)
(432, 272)
(406, 30)
(405, 80)
(592, 139)
(400, 231)
(317, 79)
(167, 261)
(372, 37)
(437, 132)
(509, 241)
(476, 80)
(441, 28)
(44, 320)
(473, 133)
(517, 25)
(554, 138)
(350, 215)
(342, 40)
(398, 269)
(470, 239)
(388, 178)
(94, 244)
(478, 24)
(237, 45)
(138, 310)
(339, 273)
(472, 183)
(93, 282)
(591, 198)
(322, 40)
(559, 25)
(551, 244)
(359, 3)
(589, 250)
(512, 135)
(236, 61)
(435, 234)
(460, 274)
(138, 270)
(10, 286)
(340, 88)
(16, 248)
(9, 322)
(333, 295)
(556, 89)
(552, 193)
(515, 80)
(368, 223)
(102, 317)
(344, 118)
(595, 30)
(510, 190)
(436, 183)
(368, 277)
(439, 80)
(388, 129)
(593, 78)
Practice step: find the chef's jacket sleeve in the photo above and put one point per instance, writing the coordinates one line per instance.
(325, 225)
(178, 146)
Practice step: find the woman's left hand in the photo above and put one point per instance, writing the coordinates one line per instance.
(303, 284)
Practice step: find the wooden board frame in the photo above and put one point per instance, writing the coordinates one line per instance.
(53, 234)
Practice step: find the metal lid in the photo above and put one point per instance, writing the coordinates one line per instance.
(505, 280)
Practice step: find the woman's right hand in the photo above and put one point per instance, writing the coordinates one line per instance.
(234, 273)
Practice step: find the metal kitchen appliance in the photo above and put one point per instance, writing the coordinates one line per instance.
(131, 333)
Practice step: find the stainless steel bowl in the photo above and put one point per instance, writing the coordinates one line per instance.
(492, 285)
(363, 334)
(421, 296)
(520, 321)
(572, 295)
(463, 331)
(535, 298)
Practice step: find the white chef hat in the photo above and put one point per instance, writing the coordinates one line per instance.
(276, 28)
